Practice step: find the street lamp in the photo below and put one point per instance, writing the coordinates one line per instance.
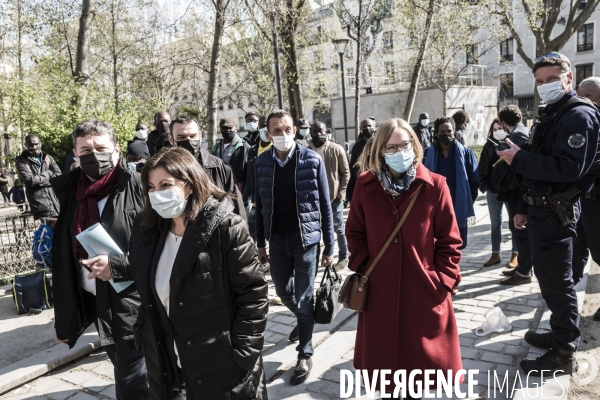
(340, 47)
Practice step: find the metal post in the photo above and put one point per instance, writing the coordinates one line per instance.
(344, 96)
(277, 70)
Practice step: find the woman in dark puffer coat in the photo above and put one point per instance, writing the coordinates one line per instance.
(204, 295)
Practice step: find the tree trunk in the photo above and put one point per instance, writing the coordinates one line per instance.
(414, 82)
(115, 57)
(357, 71)
(82, 62)
(292, 70)
(215, 65)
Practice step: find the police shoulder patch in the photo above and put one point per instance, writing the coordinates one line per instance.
(576, 140)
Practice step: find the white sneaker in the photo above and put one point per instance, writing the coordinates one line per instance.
(277, 301)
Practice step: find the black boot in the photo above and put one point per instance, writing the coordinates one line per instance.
(302, 371)
(539, 340)
(554, 360)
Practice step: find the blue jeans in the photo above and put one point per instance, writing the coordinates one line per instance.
(337, 207)
(293, 270)
(495, 210)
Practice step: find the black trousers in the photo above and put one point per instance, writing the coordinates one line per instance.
(131, 382)
(588, 226)
(520, 236)
(552, 249)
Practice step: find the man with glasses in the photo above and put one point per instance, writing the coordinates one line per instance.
(292, 211)
(559, 165)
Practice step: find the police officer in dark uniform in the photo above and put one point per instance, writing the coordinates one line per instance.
(588, 227)
(555, 170)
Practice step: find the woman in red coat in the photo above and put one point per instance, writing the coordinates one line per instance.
(408, 321)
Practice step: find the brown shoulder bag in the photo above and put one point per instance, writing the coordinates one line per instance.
(353, 294)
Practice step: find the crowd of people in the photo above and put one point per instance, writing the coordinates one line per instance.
(182, 311)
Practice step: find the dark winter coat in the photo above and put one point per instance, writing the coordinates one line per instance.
(36, 178)
(222, 176)
(3, 183)
(425, 134)
(408, 321)
(218, 307)
(312, 197)
(116, 312)
(18, 194)
(355, 153)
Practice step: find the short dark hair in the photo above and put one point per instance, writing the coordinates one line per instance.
(460, 118)
(510, 115)
(278, 114)
(93, 127)
(561, 61)
(160, 112)
(184, 120)
(31, 136)
(443, 120)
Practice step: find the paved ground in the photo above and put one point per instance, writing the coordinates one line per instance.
(91, 377)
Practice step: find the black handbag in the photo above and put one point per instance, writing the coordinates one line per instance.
(327, 305)
(31, 292)
(504, 178)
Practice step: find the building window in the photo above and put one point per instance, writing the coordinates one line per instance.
(506, 85)
(388, 40)
(585, 38)
(506, 50)
(221, 106)
(390, 71)
(350, 76)
(321, 89)
(473, 54)
(526, 105)
(583, 72)
(318, 59)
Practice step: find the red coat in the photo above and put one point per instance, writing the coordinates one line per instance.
(408, 321)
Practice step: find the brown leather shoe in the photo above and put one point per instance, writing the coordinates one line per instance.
(494, 259)
(509, 272)
(516, 280)
(513, 260)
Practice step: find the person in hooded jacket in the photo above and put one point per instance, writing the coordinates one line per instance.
(36, 168)
(204, 295)
(99, 290)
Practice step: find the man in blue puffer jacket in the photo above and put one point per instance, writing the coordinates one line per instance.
(292, 209)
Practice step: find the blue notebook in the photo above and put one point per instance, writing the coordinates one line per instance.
(97, 242)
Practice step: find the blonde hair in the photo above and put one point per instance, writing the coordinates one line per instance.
(381, 137)
(363, 161)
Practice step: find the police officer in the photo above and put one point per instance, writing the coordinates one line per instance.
(555, 169)
(589, 222)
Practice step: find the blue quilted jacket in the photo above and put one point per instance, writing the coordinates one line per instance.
(312, 197)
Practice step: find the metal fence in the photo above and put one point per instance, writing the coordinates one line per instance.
(16, 234)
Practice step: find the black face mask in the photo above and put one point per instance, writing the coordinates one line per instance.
(163, 127)
(367, 133)
(228, 135)
(96, 165)
(191, 145)
(446, 139)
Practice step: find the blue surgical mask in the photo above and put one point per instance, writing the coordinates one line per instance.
(303, 132)
(329, 136)
(400, 161)
(251, 126)
(424, 122)
(263, 134)
(551, 92)
(168, 203)
(133, 166)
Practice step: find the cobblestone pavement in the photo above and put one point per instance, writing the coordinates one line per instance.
(91, 377)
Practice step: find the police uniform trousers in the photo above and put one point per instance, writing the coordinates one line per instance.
(552, 249)
(588, 236)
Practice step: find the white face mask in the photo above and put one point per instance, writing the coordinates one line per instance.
(133, 166)
(263, 134)
(168, 203)
(303, 132)
(424, 122)
(283, 142)
(551, 92)
(251, 126)
(500, 135)
(141, 134)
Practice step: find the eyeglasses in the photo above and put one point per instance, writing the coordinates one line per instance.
(394, 148)
(550, 56)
